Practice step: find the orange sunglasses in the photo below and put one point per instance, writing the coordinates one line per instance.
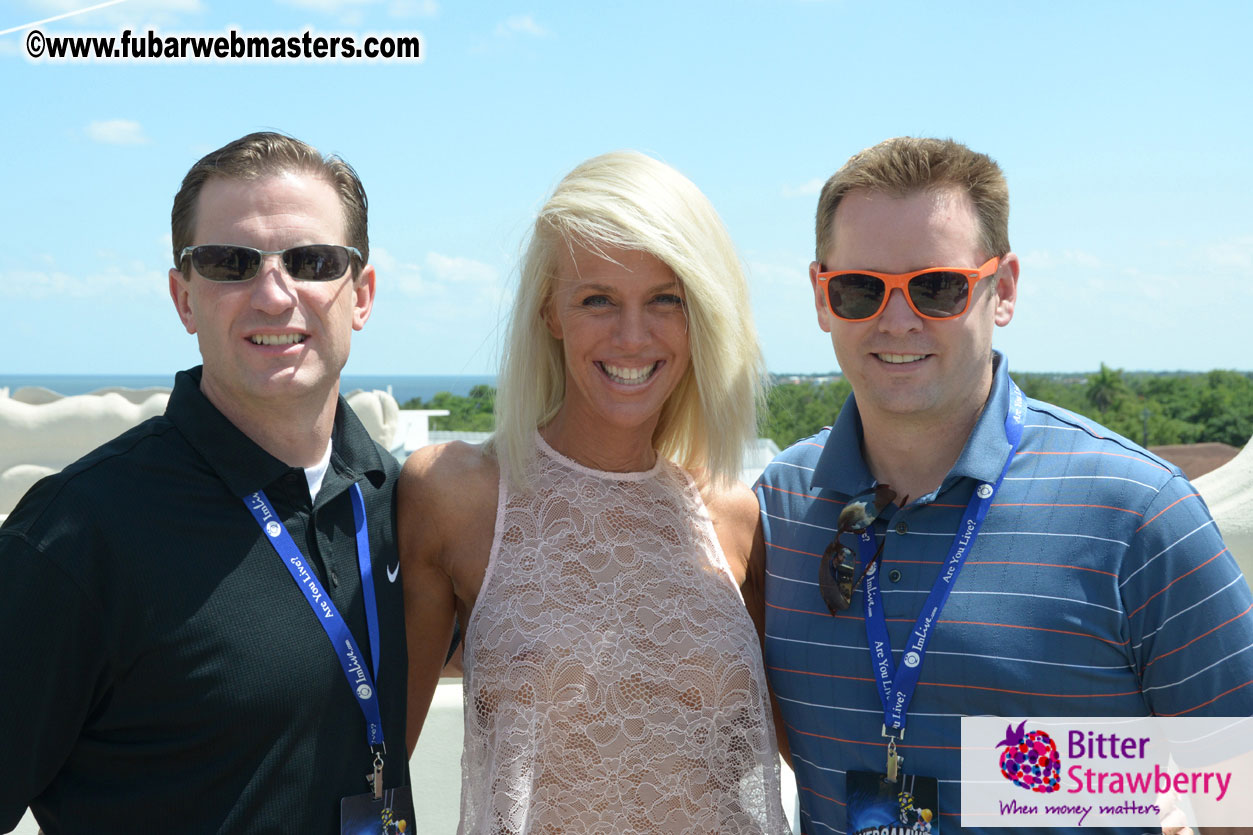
(933, 293)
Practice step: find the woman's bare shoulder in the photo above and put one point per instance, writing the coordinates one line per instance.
(452, 477)
(732, 503)
(735, 513)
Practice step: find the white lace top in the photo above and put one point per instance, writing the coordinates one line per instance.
(613, 678)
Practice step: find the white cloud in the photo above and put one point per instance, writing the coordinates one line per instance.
(448, 306)
(1050, 259)
(521, 25)
(199, 149)
(35, 284)
(330, 7)
(458, 270)
(351, 10)
(765, 274)
(413, 8)
(810, 189)
(438, 278)
(117, 132)
(114, 282)
(1235, 254)
(133, 13)
(392, 272)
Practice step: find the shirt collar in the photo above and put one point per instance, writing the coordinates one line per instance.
(842, 468)
(983, 457)
(243, 465)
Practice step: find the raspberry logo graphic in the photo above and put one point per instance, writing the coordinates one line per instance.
(1030, 760)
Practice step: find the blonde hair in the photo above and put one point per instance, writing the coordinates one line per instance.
(908, 164)
(626, 200)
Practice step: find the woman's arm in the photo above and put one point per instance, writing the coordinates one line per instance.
(430, 604)
(737, 520)
(446, 508)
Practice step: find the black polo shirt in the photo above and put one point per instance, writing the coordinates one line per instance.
(162, 671)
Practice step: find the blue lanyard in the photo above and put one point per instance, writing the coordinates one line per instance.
(896, 684)
(358, 675)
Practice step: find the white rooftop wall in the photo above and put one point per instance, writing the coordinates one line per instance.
(42, 431)
(1229, 493)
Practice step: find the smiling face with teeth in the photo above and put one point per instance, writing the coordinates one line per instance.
(900, 365)
(623, 329)
(272, 341)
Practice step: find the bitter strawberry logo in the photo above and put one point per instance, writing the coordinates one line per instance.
(1030, 760)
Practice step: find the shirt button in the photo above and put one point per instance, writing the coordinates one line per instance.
(894, 576)
(901, 528)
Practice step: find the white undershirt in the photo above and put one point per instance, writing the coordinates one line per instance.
(317, 472)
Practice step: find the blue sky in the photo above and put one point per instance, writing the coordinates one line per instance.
(1123, 127)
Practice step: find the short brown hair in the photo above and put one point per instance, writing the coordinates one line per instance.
(908, 164)
(267, 154)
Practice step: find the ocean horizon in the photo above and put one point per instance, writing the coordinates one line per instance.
(404, 387)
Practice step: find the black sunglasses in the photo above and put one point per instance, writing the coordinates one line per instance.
(230, 262)
(836, 579)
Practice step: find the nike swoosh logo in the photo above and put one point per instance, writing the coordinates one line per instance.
(392, 572)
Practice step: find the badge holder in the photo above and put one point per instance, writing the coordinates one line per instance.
(379, 811)
(891, 800)
(894, 760)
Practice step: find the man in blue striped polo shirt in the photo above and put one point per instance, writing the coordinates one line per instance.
(1040, 565)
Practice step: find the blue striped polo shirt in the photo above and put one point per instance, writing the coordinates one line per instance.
(1099, 585)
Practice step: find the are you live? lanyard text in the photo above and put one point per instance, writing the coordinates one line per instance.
(897, 683)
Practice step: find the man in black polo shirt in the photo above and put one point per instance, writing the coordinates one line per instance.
(167, 599)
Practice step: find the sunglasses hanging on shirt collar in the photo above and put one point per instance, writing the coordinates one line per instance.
(836, 570)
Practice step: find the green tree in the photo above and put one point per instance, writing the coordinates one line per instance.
(798, 410)
(1183, 408)
(1225, 410)
(474, 412)
(1107, 389)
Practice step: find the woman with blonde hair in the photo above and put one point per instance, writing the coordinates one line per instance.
(594, 551)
